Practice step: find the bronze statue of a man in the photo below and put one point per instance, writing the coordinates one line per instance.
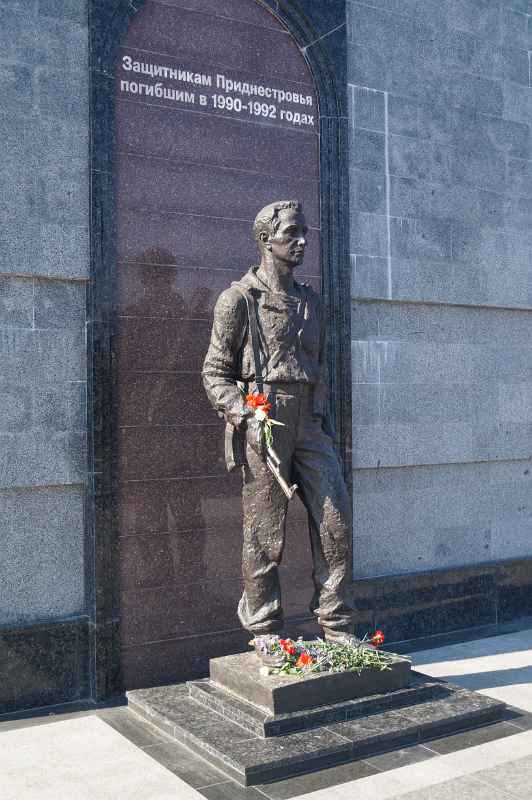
(269, 336)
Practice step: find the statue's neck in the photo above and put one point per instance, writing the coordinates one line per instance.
(278, 277)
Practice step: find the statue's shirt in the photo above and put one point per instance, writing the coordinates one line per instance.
(289, 329)
(291, 332)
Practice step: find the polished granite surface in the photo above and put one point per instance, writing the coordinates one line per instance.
(250, 759)
(264, 723)
(239, 674)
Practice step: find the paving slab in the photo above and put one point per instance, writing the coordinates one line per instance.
(514, 778)
(498, 666)
(83, 758)
(459, 789)
(423, 779)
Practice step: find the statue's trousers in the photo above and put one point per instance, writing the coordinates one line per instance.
(309, 459)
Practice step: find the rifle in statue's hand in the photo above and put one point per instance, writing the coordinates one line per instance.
(261, 406)
(273, 462)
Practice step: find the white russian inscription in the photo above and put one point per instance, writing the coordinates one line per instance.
(218, 92)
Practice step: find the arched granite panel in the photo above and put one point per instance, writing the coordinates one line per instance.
(160, 256)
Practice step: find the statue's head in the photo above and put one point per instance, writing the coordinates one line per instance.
(280, 230)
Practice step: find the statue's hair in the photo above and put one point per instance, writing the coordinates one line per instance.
(267, 220)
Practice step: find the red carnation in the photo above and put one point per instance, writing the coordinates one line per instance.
(288, 646)
(377, 639)
(304, 660)
(257, 401)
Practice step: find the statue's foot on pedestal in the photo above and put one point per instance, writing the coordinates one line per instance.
(343, 637)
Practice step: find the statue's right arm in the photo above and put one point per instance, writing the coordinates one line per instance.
(222, 365)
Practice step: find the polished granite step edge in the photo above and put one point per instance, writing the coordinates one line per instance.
(260, 721)
(280, 761)
(250, 759)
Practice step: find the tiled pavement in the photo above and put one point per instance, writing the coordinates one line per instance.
(109, 754)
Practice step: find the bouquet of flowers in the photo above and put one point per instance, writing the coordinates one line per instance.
(290, 657)
(259, 402)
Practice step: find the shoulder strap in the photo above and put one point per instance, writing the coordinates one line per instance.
(254, 334)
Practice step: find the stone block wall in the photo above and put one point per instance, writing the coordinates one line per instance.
(441, 260)
(43, 272)
(440, 114)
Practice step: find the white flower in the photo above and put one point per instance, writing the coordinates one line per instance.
(260, 415)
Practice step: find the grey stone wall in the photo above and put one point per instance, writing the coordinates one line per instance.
(441, 244)
(43, 272)
(441, 200)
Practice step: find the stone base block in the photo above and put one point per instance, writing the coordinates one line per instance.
(283, 694)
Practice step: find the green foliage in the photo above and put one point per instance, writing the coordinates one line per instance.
(299, 657)
(349, 658)
(268, 436)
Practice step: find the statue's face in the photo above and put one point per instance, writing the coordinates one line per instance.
(289, 242)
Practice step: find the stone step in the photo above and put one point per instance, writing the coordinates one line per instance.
(260, 721)
(251, 759)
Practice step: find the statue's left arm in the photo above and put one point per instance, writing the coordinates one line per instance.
(222, 365)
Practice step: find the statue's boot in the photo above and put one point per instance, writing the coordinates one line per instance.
(344, 637)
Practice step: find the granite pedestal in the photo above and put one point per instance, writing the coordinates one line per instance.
(308, 723)
(281, 694)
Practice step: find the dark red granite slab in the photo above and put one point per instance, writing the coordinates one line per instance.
(191, 36)
(158, 290)
(147, 399)
(147, 344)
(232, 9)
(152, 663)
(215, 242)
(190, 181)
(162, 452)
(180, 504)
(172, 604)
(172, 611)
(218, 141)
(165, 186)
(167, 559)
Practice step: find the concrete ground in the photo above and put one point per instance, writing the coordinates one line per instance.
(110, 754)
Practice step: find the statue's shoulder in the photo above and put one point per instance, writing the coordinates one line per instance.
(231, 301)
(248, 281)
